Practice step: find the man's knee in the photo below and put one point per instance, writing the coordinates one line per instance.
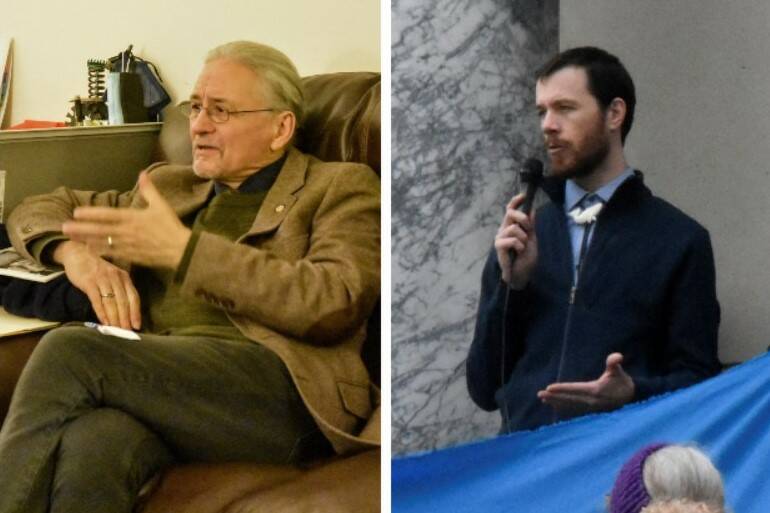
(111, 438)
(67, 367)
(108, 447)
(100, 428)
(65, 345)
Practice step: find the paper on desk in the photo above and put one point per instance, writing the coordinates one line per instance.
(14, 325)
(16, 266)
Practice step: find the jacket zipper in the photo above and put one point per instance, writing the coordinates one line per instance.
(571, 303)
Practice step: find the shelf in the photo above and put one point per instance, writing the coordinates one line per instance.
(95, 158)
(36, 134)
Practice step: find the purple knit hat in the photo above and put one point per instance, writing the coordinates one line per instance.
(629, 494)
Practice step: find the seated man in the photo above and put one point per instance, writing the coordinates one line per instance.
(251, 276)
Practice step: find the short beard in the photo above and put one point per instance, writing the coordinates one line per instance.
(599, 149)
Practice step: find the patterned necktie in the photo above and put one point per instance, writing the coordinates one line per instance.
(590, 206)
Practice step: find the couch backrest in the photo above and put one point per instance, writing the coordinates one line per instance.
(342, 121)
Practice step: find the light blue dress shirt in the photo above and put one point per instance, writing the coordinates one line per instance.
(573, 195)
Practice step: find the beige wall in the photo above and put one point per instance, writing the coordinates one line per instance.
(701, 131)
(53, 40)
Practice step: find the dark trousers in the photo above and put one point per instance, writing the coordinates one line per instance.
(94, 417)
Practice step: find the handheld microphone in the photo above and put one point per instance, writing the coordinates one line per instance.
(532, 176)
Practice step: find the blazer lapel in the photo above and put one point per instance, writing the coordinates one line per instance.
(188, 195)
(281, 197)
(191, 200)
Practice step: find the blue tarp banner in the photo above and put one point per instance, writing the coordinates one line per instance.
(570, 467)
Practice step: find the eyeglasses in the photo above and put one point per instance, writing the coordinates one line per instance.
(216, 113)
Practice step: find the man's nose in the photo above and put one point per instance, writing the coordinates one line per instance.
(201, 123)
(549, 123)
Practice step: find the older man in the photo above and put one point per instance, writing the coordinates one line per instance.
(250, 275)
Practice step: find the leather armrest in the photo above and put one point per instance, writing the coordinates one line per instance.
(341, 485)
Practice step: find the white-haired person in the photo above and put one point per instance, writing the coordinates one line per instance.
(681, 506)
(668, 476)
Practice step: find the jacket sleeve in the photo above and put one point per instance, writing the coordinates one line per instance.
(484, 370)
(690, 352)
(320, 297)
(42, 215)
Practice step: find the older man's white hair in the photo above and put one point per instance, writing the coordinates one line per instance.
(274, 67)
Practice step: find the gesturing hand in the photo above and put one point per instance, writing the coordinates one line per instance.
(152, 237)
(109, 288)
(516, 233)
(613, 389)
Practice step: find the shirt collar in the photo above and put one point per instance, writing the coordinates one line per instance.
(261, 180)
(573, 193)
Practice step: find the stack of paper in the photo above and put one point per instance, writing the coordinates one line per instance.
(14, 325)
(16, 266)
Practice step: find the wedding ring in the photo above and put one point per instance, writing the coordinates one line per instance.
(108, 294)
(109, 241)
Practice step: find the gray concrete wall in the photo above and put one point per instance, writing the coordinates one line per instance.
(463, 120)
(701, 133)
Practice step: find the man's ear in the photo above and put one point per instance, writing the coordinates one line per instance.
(616, 114)
(286, 124)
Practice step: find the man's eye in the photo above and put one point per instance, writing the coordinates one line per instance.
(218, 110)
(195, 108)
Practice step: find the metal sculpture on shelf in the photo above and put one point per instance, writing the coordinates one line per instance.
(93, 109)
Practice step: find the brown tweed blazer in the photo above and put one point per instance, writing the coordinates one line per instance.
(302, 281)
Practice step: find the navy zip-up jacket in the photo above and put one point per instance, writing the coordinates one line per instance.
(647, 290)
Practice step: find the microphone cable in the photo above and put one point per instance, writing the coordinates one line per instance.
(532, 176)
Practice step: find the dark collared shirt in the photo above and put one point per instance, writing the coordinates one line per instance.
(259, 181)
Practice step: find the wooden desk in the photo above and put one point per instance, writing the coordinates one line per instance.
(14, 353)
(18, 337)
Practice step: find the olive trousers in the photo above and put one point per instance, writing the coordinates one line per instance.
(94, 417)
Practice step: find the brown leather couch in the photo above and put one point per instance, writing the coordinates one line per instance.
(342, 123)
